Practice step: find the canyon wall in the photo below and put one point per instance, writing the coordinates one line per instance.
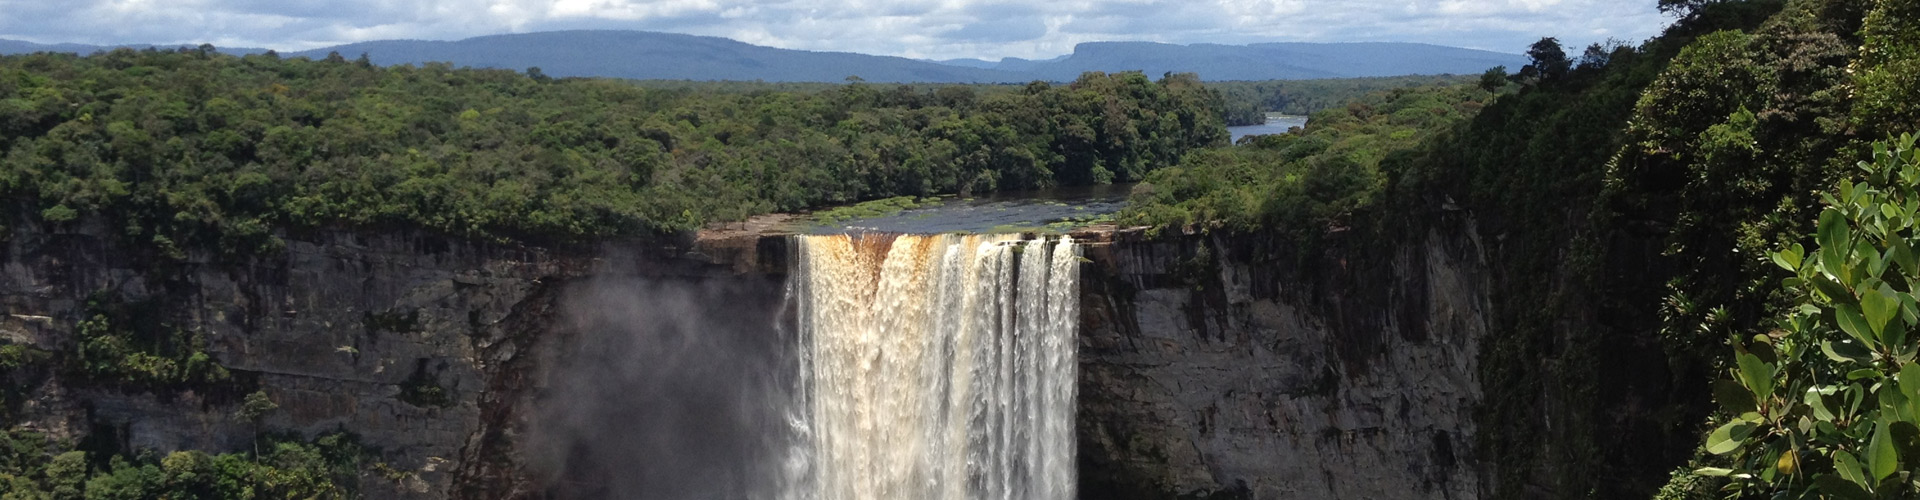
(1213, 367)
(1208, 367)
(426, 349)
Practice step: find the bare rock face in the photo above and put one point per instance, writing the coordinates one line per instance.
(421, 347)
(1208, 366)
(1211, 370)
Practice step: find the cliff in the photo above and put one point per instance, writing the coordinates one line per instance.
(1213, 367)
(423, 348)
(1207, 367)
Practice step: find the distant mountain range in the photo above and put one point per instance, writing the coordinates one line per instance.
(667, 56)
(1262, 61)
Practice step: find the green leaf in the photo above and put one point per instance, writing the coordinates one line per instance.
(1729, 437)
(1891, 399)
(1733, 396)
(1760, 348)
(1909, 310)
(1757, 374)
(1910, 380)
(1901, 253)
(1846, 351)
(1833, 238)
(1906, 438)
(1712, 472)
(1882, 459)
(1895, 334)
(1783, 263)
(1863, 373)
(1789, 258)
(1818, 403)
(1832, 229)
(1849, 468)
(1836, 486)
(1879, 306)
(1852, 322)
(1833, 290)
(1876, 264)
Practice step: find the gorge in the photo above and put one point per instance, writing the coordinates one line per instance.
(1597, 276)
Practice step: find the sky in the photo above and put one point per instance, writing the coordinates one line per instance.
(926, 29)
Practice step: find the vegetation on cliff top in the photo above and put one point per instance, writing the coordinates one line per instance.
(1304, 183)
(1247, 102)
(192, 149)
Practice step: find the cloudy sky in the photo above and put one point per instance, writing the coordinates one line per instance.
(933, 29)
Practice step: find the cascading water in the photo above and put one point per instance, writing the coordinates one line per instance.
(934, 367)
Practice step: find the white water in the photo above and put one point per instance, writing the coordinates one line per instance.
(934, 367)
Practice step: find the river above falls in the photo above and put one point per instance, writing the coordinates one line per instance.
(1050, 210)
(1276, 124)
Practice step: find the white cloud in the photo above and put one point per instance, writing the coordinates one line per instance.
(913, 28)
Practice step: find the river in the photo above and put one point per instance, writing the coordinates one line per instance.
(1276, 124)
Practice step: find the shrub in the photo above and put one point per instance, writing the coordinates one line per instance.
(1829, 402)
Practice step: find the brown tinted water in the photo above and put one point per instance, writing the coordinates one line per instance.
(1054, 210)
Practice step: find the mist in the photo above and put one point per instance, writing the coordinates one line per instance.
(667, 389)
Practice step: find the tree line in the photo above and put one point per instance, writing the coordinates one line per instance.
(185, 149)
(1248, 102)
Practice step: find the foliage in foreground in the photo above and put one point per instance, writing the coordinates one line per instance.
(1829, 403)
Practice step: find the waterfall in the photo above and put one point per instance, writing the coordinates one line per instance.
(934, 367)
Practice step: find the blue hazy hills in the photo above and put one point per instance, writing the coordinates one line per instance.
(666, 56)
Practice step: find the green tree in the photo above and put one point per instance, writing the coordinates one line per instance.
(1493, 79)
(1888, 72)
(1685, 8)
(1548, 60)
(67, 474)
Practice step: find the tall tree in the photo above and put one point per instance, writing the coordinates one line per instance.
(1550, 62)
(1494, 78)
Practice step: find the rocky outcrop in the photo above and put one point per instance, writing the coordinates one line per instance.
(1213, 367)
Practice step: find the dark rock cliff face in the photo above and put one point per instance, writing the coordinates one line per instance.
(1205, 369)
(1210, 369)
(331, 332)
(340, 330)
